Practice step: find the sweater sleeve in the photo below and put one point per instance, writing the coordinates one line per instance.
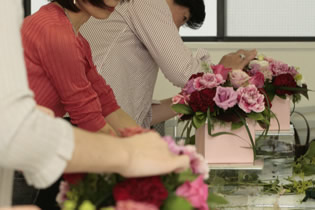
(104, 91)
(29, 140)
(64, 61)
(163, 41)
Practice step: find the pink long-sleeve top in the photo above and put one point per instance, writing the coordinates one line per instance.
(61, 71)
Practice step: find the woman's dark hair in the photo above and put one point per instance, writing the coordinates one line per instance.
(197, 12)
(69, 5)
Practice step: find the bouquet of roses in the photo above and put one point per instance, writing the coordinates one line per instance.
(221, 95)
(278, 78)
(184, 191)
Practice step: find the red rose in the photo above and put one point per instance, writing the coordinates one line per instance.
(199, 74)
(148, 190)
(284, 80)
(74, 178)
(202, 100)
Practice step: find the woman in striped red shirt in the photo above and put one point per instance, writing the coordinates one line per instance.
(62, 74)
(60, 68)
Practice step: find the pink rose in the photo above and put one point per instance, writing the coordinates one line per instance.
(208, 80)
(238, 78)
(133, 205)
(225, 97)
(258, 80)
(196, 192)
(260, 66)
(180, 99)
(189, 87)
(220, 69)
(249, 99)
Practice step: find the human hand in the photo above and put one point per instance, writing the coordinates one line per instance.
(149, 155)
(239, 59)
(21, 208)
(45, 110)
(107, 129)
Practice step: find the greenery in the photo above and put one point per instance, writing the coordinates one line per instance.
(306, 164)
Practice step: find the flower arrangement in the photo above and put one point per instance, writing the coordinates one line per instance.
(221, 95)
(186, 190)
(278, 78)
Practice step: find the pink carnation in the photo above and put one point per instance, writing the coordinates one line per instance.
(278, 67)
(208, 80)
(239, 78)
(225, 97)
(220, 69)
(133, 205)
(196, 192)
(197, 163)
(249, 99)
(62, 195)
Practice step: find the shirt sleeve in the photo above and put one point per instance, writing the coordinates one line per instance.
(64, 61)
(29, 140)
(155, 27)
(104, 91)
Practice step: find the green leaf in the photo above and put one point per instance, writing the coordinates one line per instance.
(187, 175)
(87, 205)
(209, 121)
(214, 199)
(199, 119)
(256, 116)
(236, 125)
(311, 151)
(282, 96)
(69, 205)
(175, 202)
(182, 109)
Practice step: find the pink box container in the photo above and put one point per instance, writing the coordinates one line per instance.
(281, 108)
(226, 148)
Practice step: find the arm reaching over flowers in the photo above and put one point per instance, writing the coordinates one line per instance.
(140, 155)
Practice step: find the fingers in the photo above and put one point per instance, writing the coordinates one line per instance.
(182, 163)
(249, 55)
(246, 56)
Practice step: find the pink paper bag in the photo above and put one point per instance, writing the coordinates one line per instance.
(226, 148)
(281, 108)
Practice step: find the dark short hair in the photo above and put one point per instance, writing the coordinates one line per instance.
(197, 12)
(69, 5)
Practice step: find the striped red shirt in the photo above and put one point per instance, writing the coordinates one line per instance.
(61, 71)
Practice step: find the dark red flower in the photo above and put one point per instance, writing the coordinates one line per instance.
(284, 80)
(74, 178)
(202, 100)
(148, 189)
(199, 74)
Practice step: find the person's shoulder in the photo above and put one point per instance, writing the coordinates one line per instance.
(50, 19)
(140, 5)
